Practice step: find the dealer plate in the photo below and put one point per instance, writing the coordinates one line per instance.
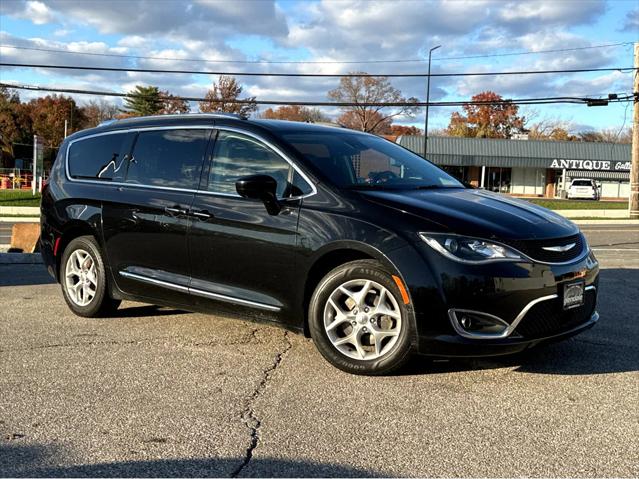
(573, 295)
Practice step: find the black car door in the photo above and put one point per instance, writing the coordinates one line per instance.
(239, 252)
(145, 223)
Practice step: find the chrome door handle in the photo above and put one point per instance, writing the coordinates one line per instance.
(175, 211)
(202, 215)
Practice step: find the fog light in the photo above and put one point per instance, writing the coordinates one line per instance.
(475, 324)
(466, 322)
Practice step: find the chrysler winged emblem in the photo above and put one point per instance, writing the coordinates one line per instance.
(559, 249)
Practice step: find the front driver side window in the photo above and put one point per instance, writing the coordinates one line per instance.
(237, 155)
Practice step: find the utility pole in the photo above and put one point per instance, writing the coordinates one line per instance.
(633, 203)
(430, 53)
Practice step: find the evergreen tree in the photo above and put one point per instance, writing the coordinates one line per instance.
(143, 101)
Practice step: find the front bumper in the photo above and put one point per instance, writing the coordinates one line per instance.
(448, 345)
(526, 296)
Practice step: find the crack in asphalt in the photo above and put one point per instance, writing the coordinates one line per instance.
(250, 338)
(87, 343)
(251, 421)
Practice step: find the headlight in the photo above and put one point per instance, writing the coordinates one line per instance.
(470, 250)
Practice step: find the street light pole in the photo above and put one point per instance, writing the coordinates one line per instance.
(430, 53)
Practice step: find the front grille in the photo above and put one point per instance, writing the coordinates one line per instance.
(534, 248)
(548, 317)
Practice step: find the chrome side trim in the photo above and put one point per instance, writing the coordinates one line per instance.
(452, 316)
(231, 299)
(157, 282)
(198, 292)
(186, 190)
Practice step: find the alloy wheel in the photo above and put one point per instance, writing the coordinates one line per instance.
(362, 319)
(81, 278)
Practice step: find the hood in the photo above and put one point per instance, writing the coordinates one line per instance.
(476, 212)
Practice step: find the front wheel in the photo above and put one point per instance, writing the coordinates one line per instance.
(83, 279)
(359, 321)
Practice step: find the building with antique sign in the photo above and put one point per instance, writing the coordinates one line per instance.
(529, 167)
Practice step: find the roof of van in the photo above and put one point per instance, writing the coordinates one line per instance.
(199, 119)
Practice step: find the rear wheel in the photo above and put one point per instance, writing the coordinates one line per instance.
(83, 279)
(358, 320)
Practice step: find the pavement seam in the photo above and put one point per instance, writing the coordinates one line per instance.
(251, 421)
(89, 343)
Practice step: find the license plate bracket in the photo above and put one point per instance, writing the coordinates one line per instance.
(573, 296)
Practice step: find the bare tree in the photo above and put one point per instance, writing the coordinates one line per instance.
(221, 96)
(172, 104)
(370, 90)
(608, 135)
(95, 112)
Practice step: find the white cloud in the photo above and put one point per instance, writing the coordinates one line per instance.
(37, 12)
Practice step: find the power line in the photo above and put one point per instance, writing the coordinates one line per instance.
(510, 54)
(311, 62)
(520, 101)
(313, 75)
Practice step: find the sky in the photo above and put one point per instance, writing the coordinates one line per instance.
(334, 31)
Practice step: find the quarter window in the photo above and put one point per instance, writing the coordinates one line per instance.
(237, 155)
(169, 158)
(96, 158)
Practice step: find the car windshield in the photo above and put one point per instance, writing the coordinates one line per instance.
(358, 161)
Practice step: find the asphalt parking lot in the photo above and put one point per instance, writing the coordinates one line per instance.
(161, 392)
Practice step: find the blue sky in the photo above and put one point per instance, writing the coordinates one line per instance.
(334, 31)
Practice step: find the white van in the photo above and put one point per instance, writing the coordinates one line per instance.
(584, 189)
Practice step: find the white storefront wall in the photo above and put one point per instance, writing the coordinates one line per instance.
(528, 181)
(615, 189)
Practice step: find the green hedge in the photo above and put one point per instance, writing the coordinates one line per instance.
(19, 198)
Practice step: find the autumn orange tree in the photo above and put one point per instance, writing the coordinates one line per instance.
(362, 90)
(406, 130)
(221, 96)
(496, 119)
(48, 115)
(15, 122)
(294, 113)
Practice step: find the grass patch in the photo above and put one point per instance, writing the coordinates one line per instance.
(579, 204)
(19, 198)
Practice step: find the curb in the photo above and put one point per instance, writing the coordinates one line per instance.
(20, 258)
(19, 219)
(604, 221)
(20, 210)
(603, 214)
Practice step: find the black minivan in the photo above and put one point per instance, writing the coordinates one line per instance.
(344, 236)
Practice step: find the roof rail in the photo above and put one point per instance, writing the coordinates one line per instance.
(107, 122)
(219, 114)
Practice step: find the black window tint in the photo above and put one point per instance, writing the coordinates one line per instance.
(96, 158)
(238, 155)
(171, 158)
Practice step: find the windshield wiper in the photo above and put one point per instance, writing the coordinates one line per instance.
(434, 187)
(365, 186)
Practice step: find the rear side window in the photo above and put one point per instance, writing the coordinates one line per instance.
(169, 158)
(96, 158)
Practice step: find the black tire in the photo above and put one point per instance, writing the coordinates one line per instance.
(101, 304)
(400, 351)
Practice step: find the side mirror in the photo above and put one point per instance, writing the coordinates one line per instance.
(260, 187)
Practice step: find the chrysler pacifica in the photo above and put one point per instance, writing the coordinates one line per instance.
(346, 237)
